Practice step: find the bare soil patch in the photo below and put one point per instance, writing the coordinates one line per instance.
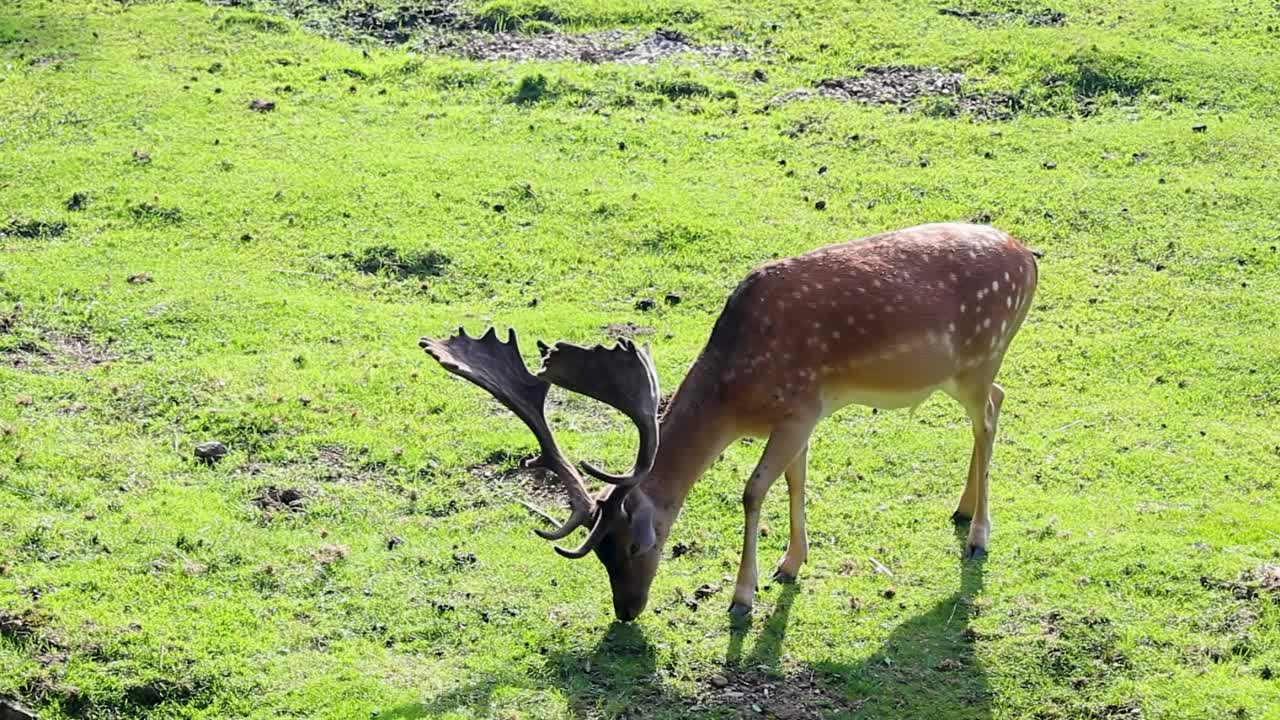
(447, 26)
(1041, 17)
(908, 87)
(616, 46)
(749, 693)
(331, 464)
(1260, 582)
(57, 352)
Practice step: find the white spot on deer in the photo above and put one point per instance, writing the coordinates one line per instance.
(994, 340)
(981, 294)
(973, 254)
(835, 334)
(954, 279)
(951, 327)
(1006, 277)
(903, 348)
(796, 295)
(875, 283)
(871, 316)
(862, 331)
(995, 286)
(986, 322)
(888, 309)
(823, 346)
(962, 307)
(1004, 326)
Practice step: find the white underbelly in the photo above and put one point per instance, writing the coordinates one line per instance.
(836, 398)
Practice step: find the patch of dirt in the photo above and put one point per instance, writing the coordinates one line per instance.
(538, 485)
(906, 87)
(1042, 17)
(614, 46)
(447, 26)
(274, 499)
(1260, 582)
(749, 693)
(19, 626)
(54, 351)
(626, 330)
(331, 463)
(28, 229)
(157, 691)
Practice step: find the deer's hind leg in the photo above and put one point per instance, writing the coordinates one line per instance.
(981, 399)
(798, 538)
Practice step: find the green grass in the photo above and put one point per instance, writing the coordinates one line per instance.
(295, 257)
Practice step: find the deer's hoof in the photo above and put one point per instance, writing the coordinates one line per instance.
(784, 577)
(975, 552)
(738, 610)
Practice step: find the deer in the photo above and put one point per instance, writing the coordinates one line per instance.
(883, 321)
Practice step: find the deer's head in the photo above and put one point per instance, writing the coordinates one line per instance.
(620, 518)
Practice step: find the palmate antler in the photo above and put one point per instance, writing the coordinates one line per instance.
(623, 377)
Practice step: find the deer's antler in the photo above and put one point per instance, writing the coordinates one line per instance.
(622, 376)
(497, 367)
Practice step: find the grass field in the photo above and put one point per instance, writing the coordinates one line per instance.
(177, 267)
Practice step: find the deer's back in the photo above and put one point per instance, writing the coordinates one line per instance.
(885, 317)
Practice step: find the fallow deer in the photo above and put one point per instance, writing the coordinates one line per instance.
(883, 321)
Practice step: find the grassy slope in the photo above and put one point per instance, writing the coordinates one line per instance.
(1138, 453)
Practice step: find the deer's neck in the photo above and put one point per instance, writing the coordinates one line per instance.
(695, 430)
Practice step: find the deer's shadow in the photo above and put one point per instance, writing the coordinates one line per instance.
(927, 667)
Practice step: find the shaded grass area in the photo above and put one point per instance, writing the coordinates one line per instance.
(359, 549)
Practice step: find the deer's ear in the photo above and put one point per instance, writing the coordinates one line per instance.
(643, 535)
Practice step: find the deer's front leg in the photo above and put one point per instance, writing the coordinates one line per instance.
(784, 444)
(797, 539)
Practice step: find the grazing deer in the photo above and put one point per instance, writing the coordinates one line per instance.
(883, 321)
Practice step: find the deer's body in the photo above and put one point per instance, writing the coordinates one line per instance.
(884, 321)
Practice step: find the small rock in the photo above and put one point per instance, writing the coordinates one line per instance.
(260, 105)
(1049, 165)
(394, 542)
(141, 157)
(889, 593)
(759, 75)
(705, 591)
(1199, 128)
(949, 665)
(719, 681)
(820, 205)
(622, 145)
(646, 304)
(855, 604)
(673, 298)
(211, 452)
(23, 401)
(822, 170)
(139, 278)
(499, 208)
(678, 550)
